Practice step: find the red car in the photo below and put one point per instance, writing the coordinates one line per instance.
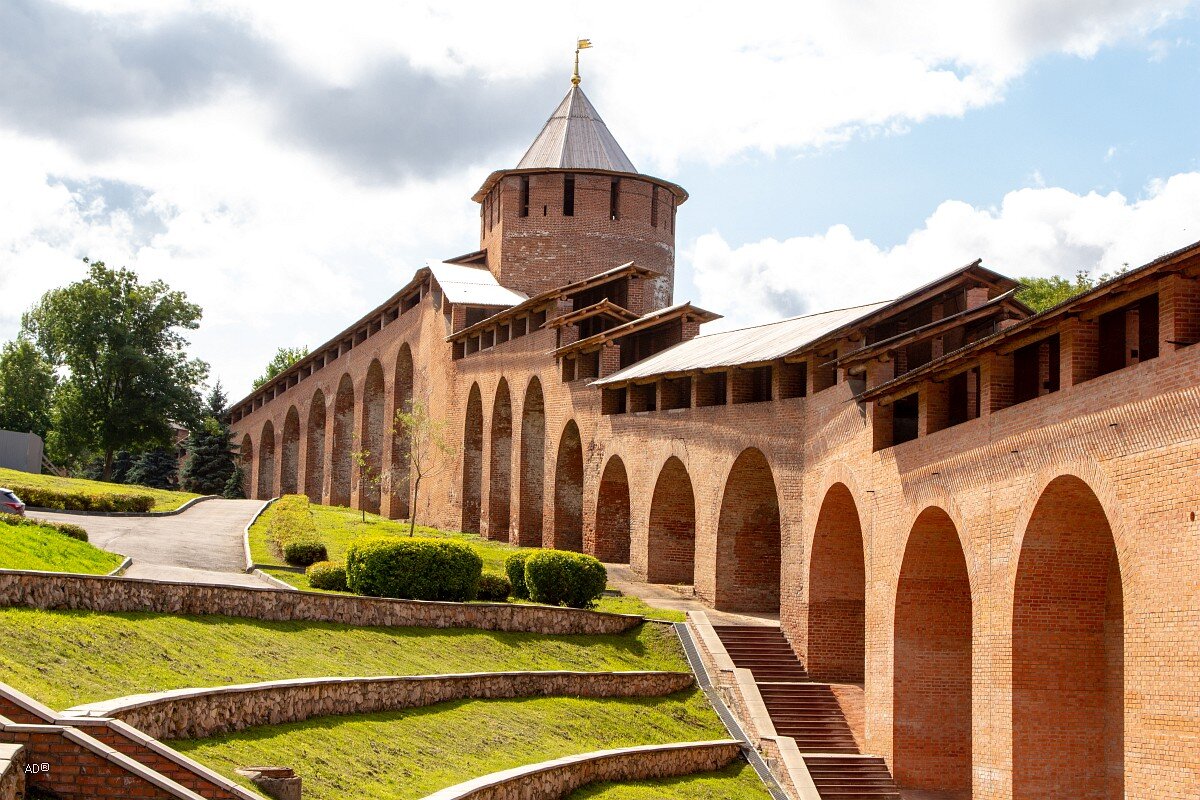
(10, 503)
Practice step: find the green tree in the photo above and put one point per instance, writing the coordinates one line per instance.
(1043, 293)
(157, 468)
(27, 384)
(429, 448)
(284, 358)
(128, 376)
(211, 454)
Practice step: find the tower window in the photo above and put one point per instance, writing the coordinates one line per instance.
(654, 207)
(614, 195)
(568, 195)
(524, 204)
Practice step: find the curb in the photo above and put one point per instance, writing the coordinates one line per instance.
(246, 535)
(173, 512)
(271, 579)
(122, 568)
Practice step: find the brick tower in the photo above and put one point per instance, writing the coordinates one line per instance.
(576, 206)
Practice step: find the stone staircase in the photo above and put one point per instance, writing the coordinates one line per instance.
(809, 713)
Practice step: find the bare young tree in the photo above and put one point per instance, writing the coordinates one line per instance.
(369, 477)
(429, 450)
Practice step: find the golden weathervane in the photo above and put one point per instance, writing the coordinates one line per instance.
(582, 44)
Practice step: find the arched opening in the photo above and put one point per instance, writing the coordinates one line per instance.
(748, 538)
(472, 474)
(500, 468)
(266, 461)
(289, 476)
(1068, 651)
(401, 487)
(370, 474)
(314, 457)
(568, 491)
(671, 540)
(533, 465)
(837, 591)
(343, 444)
(611, 542)
(931, 733)
(246, 456)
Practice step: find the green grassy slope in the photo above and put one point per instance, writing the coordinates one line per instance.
(412, 753)
(43, 548)
(338, 527)
(163, 500)
(736, 782)
(68, 657)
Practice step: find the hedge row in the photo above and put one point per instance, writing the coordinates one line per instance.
(557, 577)
(65, 528)
(82, 501)
(293, 531)
(413, 569)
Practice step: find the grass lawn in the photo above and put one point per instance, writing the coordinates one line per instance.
(338, 527)
(43, 548)
(163, 500)
(68, 657)
(409, 754)
(738, 781)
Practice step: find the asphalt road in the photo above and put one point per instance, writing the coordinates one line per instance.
(201, 545)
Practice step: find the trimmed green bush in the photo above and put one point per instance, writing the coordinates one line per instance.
(413, 569)
(65, 528)
(328, 576)
(304, 553)
(514, 566)
(494, 588)
(81, 501)
(560, 578)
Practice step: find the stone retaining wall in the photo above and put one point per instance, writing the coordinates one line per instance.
(197, 713)
(12, 772)
(550, 780)
(54, 590)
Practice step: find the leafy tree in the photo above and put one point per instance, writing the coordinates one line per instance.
(1043, 293)
(370, 479)
(429, 448)
(211, 454)
(123, 461)
(27, 384)
(157, 468)
(284, 358)
(121, 344)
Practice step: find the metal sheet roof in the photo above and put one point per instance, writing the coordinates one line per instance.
(576, 138)
(473, 286)
(742, 346)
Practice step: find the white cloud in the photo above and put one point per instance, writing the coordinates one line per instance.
(1034, 232)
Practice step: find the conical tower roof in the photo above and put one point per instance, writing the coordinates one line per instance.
(576, 138)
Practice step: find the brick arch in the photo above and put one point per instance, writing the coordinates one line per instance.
(246, 456)
(1068, 649)
(343, 443)
(266, 462)
(931, 700)
(671, 538)
(314, 456)
(371, 440)
(500, 465)
(533, 465)
(749, 538)
(837, 591)
(289, 453)
(568, 490)
(610, 534)
(472, 466)
(399, 475)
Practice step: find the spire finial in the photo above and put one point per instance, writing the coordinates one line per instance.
(582, 44)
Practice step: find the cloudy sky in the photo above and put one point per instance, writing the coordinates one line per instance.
(290, 164)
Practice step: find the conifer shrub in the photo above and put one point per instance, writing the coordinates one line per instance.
(514, 567)
(413, 569)
(494, 588)
(561, 578)
(328, 576)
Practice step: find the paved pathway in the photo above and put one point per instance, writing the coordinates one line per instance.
(663, 595)
(201, 545)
